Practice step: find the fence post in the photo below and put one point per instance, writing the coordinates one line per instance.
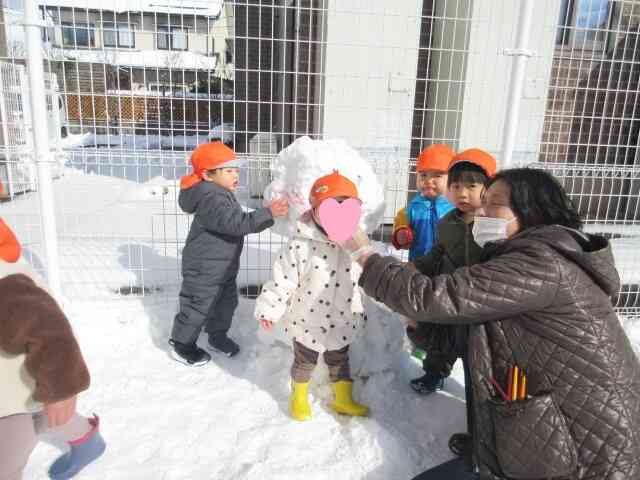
(42, 154)
(521, 54)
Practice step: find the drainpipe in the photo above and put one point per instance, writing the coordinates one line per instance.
(521, 54)
(43, 157)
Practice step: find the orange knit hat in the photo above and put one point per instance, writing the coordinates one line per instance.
(435, 157)
(9, 246)
(331, 186)
(478, 157)
(208, 156)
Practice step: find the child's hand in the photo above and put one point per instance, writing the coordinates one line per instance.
(402, 236)
(279, 208)
(266, 324)
(59, 413)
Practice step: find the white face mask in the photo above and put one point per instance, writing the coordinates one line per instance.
(486, 229)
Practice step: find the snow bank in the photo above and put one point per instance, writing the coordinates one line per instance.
(304, 161)
(138, 142)
(209, 8)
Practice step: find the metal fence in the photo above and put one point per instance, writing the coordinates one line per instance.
(139, 84)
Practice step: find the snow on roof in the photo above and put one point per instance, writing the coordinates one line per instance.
(209, 8)
(142, 58)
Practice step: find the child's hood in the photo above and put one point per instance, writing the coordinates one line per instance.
(189, 198)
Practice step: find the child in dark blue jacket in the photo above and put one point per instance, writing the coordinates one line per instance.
(211, 255)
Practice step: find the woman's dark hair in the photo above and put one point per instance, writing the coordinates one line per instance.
(466, 172)
(537, 198)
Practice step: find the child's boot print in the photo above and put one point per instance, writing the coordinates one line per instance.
(344, 402)
(299, 401)
(83, 451)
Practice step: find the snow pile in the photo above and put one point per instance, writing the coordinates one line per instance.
(153, 189)
(140, 142)
(304, 161)
(210, 8)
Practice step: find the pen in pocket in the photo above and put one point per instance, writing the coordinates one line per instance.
(514, 384)
(499, 389)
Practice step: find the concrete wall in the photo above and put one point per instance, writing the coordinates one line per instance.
(370, 64)
(371, 56)
(488, 72)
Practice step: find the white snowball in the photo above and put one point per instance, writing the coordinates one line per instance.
(299, 165)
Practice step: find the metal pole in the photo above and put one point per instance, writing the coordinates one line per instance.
(516, 86)
(43, 158)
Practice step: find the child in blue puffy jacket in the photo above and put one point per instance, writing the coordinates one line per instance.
(414, 227)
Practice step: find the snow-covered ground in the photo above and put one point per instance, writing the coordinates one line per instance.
(229, 418)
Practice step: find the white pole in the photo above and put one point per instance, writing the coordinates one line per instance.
(516, 86)
(43, 158)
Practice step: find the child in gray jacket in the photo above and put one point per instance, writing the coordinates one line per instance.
(211, 256)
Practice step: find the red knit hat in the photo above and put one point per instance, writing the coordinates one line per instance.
(478, 157)
(208, 156)
(435, 157)
(9, 246)
(331, 186)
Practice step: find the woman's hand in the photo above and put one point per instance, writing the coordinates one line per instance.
(266, 324)
(60, 412)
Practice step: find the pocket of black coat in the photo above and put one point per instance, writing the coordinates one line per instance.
(533, 439)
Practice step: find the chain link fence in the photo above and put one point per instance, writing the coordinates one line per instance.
(132, 87)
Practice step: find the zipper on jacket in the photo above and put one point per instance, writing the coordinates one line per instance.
(466, 243)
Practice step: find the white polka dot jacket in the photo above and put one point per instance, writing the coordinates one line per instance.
(314, 291)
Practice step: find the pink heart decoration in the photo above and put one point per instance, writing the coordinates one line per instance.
(340, 220)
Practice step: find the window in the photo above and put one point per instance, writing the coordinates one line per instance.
(228, 52)
(124, 78)
(120, 34)
(78, 35)
(584, 23)
(172, 38)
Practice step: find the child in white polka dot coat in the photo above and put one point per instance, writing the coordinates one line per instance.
(315, 295)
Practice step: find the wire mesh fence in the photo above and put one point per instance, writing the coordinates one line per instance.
(135, 86)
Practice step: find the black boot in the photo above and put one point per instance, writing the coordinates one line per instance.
(461, 444)
(428, 383)
(189, 354)
(223, 344)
